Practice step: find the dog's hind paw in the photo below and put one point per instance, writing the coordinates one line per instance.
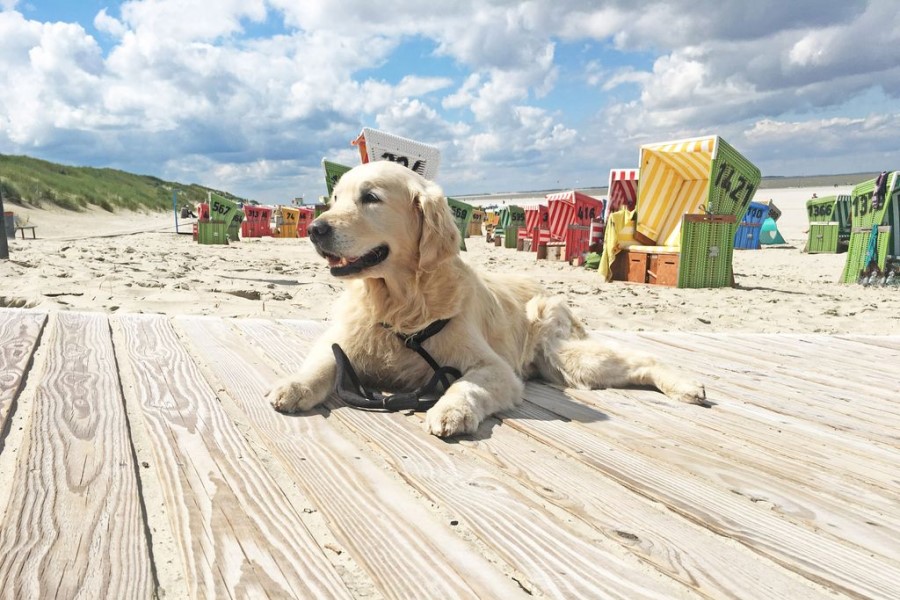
(291, 396)
(448, 418)
(691, 392)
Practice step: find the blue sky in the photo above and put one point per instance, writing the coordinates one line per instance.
(250, 95)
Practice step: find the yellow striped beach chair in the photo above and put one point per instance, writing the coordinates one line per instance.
(691, 197)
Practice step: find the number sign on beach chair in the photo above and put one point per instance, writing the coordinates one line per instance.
(747, 236)
(378, 145)
(829, 224)
(874, 233)
(692, 195)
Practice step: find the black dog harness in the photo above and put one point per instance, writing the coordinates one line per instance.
(348, 387)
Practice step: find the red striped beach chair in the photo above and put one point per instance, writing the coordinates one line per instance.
(572, 208)
(537, 216)
(622, 191)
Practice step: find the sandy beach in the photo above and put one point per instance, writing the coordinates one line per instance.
(136, 263)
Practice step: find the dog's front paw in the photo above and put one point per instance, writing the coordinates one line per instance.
(451, 416)
(290, 396)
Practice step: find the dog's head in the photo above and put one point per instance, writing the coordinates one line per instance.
(384, 218)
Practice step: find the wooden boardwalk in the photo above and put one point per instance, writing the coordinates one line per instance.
(138, 459)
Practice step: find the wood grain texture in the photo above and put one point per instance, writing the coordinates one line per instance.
(397, 541)
(19, 333)
(820, 558)
(73, 526)
(710, 563)
(239, 535)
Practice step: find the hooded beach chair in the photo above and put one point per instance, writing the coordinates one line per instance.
(375, 145)
(691, 197)
(829, 224)
(747, 236)
(622, 191)
(476, 223)
(570, 214)
(537, 217)
(874, 235)
(512, 218)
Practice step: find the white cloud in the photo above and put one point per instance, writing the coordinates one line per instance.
(180, 79)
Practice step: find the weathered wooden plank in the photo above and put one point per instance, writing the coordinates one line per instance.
(827, 363)
(818, 557)
(803, 365)
(799, 496)
(892, 342)
(746, 376)
(775, 450)
(19, 333)
(765, 413)
(73, 526)
(404, 549)
(710, 563)
(238, 533)
(563, 562)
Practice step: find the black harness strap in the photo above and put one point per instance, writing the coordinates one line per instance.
(348, 387)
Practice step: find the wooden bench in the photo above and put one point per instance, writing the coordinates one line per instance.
(22, 228)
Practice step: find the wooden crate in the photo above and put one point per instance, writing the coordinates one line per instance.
(663, 268)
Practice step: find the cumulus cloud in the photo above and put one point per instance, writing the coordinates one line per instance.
(179, 88)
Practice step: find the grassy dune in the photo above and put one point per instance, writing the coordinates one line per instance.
(38, 182)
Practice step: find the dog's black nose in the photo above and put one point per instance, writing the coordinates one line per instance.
(319, 229)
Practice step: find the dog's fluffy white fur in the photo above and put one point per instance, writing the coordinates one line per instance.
(502, 328)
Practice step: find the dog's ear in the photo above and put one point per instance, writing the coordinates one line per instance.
(440, 236)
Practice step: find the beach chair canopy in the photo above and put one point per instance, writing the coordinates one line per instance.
(422, 158)
(873, 212)
(694, 176)
(622, 192)
(571, 208)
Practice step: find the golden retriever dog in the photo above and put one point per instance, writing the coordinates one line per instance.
(390, 234)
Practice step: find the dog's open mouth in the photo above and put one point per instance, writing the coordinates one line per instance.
(341, 266)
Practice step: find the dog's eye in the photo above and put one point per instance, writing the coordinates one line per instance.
(369, 198)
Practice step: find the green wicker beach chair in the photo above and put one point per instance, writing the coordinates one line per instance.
(511, 219)
(829, 224)
(692, 196)
(220, 226)
(869, 218)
